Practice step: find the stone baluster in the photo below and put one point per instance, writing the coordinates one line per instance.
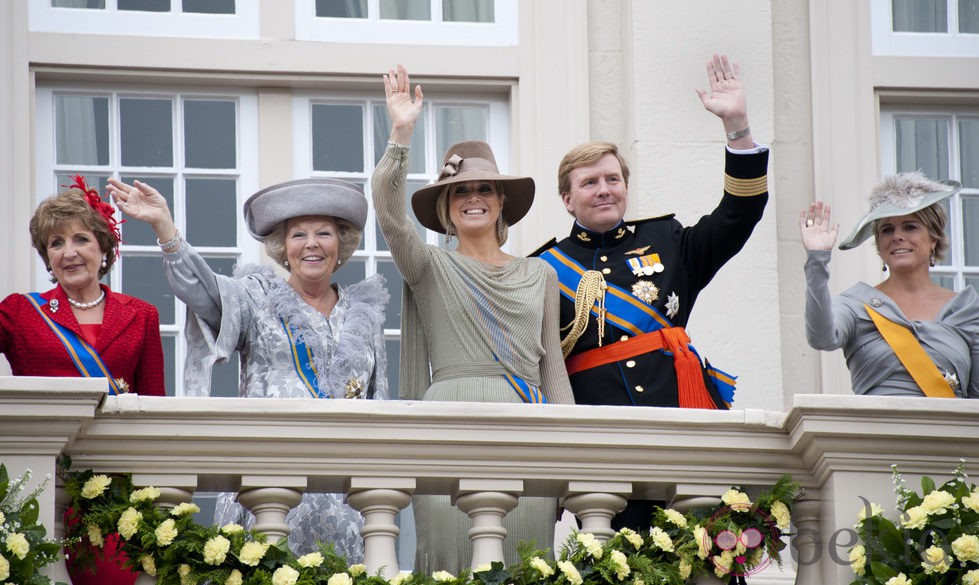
(379, 499)
(487, 501)
(269, 498)
(58, 571)
(807, 539)
(595, 503)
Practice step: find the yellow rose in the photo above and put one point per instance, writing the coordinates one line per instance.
(661, 539)
(165, 532)
(17, 544)
(675, 517)
(354, 570)
(591, 544)
(971, 501)
(781, 514)
(970, 578)
(316, 559)
(899, 579)
(148, 494)
(620, 564)
(437, 575)
(95, 535)
(129, 523)
(339, 579)
(216, 550)
(915, 517)
(401, 578)
(185, 508)
(736, 500)
(966, 548)
(235, 578)
(149, 565)
(541, 566)
(934, 560)
(685, 569)
(285, 575)
(252, 552)
(94, 487)
(230, 529)
(937, 502)
(4, 568)
(632, 537)
(571, 573)
(858, 559)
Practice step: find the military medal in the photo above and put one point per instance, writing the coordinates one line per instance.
(672, 305)
(645, 291)
(123, 385)
(353, 389)
(646, 265)
(952, 380)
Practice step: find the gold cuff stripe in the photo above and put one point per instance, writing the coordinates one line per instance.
(745, 187)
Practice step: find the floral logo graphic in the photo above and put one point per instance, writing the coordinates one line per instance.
(741, 547)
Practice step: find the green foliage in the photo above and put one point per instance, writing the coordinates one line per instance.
(24, 548)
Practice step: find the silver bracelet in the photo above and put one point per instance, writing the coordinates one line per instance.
(739, 133)
(398, 145)
(171, 244)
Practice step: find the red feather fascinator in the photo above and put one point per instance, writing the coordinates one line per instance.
(103, 208)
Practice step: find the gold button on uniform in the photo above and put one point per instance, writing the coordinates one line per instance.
(630, 364)
(639, 388)
(606, 270)
(604, 258)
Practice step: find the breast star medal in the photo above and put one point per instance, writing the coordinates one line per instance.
(353, 389)
(645, 291)
(952, 380)
(123, 385)
(672, 305)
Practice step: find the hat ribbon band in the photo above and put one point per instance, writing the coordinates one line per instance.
(456, 164)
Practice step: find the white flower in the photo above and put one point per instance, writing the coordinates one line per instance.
(437, 575)
(17, 544)
(971, 501)
(401, 578)
(934, 560)
(541, 566)
(94, 487)
(722, 564)
(632, 537)
(675, 517)
(315, 559)
(483, 568)
(970, 578)
(216, 550)
(185, 508)
(661, 539)
(4, 568)
(591, 544)
(95, 535)
(875, 510)
(230, 529)
(339, 579)
(2, 517)
(899, 579)
(129, 523)
(165, 532)
(185, 577)
(736, 500)
(858, 559)
(149, 565)
(252, 552)
(235, 578)
(354, 570)
(685, 569)
(781, 514)
(285, 575)
(703, 541)
(620, 564)
(914, 517)
(937, 502)
(571, 573)
(966, 548)
(147, 494)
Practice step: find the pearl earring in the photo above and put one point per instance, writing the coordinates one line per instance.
(285, 263)
(339, 262)
(103, 260)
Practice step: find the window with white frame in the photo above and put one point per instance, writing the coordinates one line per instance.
(430, 22)
(925, 28)
(942, 143)
(344, 136)
(195, 148)
(213, 19)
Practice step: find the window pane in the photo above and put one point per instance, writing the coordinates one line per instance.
(468, 10)
(209, 134)
(221, 265)
(146, 132)
(338, 138)
(392, 315)
(209, 6)
(970, 213)
(413, 186)
(145, 5)
(972, 281)
(382, 131)
(928, 16)
(406, 9)
(142, 277)
(97, 182)
(169, 361)
(354, 271)
(969, 149)
(341, 8)
(969, 16)
(944, 280)
(457, 123)
(139, 233)
(212, 215)
(78, 3)
(922, 144)
(950, 231)
(224, 378)
(82, 129)
(393, 349)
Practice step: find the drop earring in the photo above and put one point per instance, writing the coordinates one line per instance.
(103, 261)
(339, 262)
(931, 259)
(450, 232)
(285, 263)
(883, 267)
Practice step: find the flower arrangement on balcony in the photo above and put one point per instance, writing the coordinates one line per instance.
(24, 548)
(934, 541)
(167, 544)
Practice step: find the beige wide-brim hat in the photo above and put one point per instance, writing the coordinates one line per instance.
(897, 195)
(303, 197)
(472, 160)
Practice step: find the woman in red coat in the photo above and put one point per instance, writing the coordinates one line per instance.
(80, 327)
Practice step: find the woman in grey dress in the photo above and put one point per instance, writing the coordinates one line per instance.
(300, 337)
(907, 222)
(484, 323)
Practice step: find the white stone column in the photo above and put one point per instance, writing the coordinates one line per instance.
(595, 503)
(808, 540)
(487, 501)
(270, 498)
(379, 499)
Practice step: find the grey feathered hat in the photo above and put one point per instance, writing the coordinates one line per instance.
(896, 195)
(316, 196)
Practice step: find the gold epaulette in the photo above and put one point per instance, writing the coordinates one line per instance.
(591, 288)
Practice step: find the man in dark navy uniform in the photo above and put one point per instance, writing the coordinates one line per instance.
(636, 281)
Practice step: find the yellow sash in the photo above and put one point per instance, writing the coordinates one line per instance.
(913, 356)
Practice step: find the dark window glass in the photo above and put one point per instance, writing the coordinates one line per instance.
(212, 212)
(341, 8)
(338, 138)
(209, 6)
(145, 5)
(81, 129)
(142, 277)
(146, 132)
(139, 233)
(209, 134)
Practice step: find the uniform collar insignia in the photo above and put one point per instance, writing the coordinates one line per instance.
(620, 233)
(583, 236)
(638, 251)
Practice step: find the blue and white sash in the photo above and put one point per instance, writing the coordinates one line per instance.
(86, 359)
(302, 360)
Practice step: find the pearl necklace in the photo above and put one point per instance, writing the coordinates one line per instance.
(85, 306)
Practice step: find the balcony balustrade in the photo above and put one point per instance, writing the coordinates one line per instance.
(486, 456)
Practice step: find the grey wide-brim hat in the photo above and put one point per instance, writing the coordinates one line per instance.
(316, 196)
(472, 160)
(897, 195)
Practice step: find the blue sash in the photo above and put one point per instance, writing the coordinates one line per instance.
(622, 309)
(83, 355)
(529, 393)
(302, 360)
